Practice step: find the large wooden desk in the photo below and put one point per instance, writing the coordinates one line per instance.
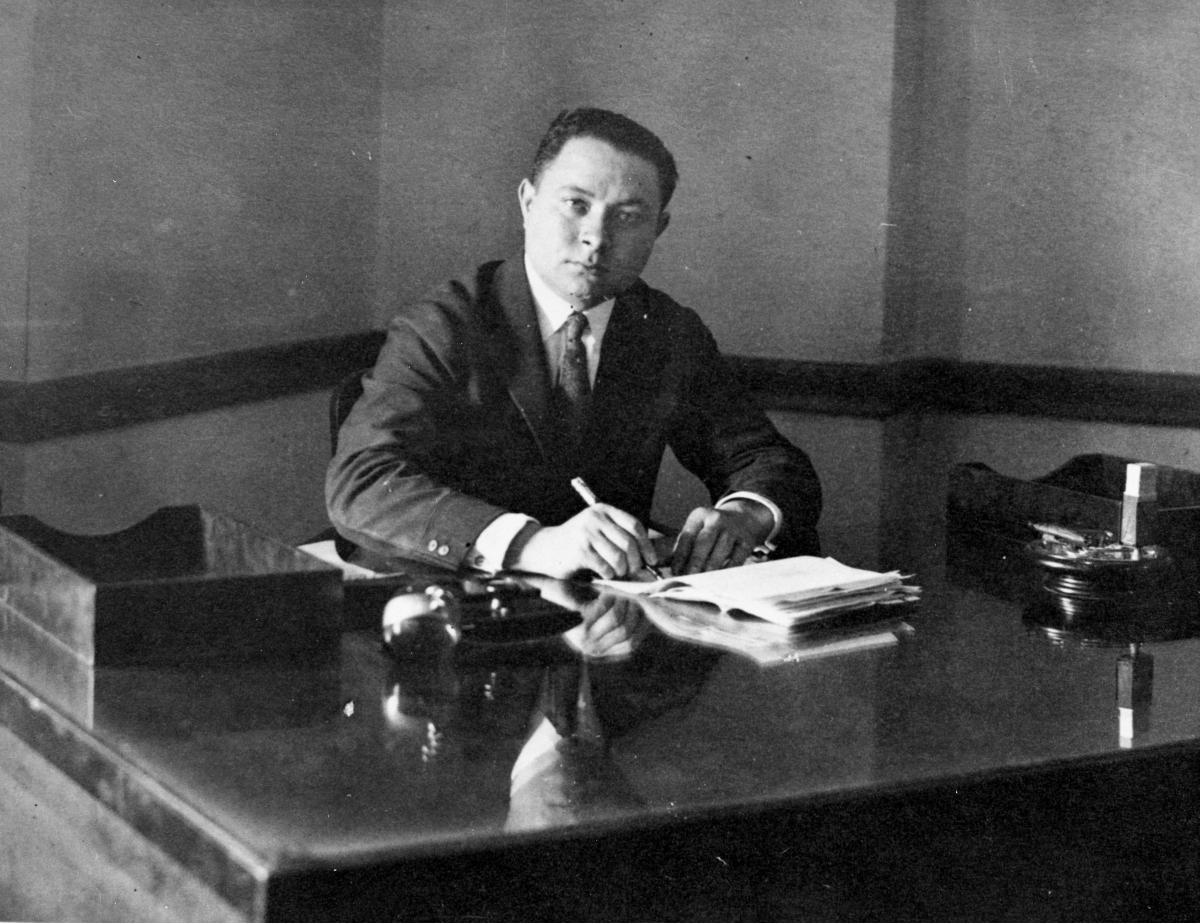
(974, 771)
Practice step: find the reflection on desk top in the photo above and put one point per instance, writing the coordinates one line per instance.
(360, 758)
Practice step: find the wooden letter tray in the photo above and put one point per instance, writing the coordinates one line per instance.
(1085, 493)
(183, 586)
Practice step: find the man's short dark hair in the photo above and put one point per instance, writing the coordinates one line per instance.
(620, 131)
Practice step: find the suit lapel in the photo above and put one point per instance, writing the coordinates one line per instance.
(529, 384)
(631, 363)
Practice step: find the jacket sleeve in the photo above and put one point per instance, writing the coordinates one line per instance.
(725, 439)
(385, 488)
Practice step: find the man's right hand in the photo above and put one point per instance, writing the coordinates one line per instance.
(602, 539)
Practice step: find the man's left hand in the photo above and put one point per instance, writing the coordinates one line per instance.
(714, 538)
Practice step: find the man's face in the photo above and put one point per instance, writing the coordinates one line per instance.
(591, 220)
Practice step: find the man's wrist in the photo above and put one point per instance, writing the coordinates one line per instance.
(516, 547)
(760, 515)
(491, 549)
(776, 512)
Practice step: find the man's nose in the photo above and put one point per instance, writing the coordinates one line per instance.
(595, 230)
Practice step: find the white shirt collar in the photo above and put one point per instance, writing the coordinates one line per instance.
(553, 310)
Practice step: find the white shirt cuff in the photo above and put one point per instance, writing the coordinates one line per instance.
(492, 543)
(776, 512)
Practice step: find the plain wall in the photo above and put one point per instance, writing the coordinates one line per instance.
(189, 179)
(778, 115)
(226, 174)
(16, 24)
(179, 181)
(1046, 185)
(263, 464)
(202, 177)
(1045, 197)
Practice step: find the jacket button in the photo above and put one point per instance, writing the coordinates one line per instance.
(432, 544)
(443, 550)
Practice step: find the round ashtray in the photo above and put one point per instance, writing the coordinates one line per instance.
(1099, 572)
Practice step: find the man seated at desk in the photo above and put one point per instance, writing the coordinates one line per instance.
(495, 391)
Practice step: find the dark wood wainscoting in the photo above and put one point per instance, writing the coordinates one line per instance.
(123, 397)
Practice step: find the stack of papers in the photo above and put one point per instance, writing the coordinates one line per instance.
(779, 611)
(788, 592)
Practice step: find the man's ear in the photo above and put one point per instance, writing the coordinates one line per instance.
(664, 218)
(525, 193)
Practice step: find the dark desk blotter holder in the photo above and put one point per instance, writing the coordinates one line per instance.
(183, 586)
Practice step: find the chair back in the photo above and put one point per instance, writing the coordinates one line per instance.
(344, 395)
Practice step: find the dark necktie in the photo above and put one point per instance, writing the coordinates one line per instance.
(573, 374)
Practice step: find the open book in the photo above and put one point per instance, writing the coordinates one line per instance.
(787, 592)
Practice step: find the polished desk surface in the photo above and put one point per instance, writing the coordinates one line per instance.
(253, 772)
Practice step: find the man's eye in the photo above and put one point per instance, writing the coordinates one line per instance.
(578, 206)
(630, 217)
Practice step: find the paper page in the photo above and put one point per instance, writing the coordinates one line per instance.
(326, 551)
(785, 591)
(793, 578)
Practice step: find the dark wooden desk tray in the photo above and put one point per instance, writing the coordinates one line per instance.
(182, 586)
(1085, 493)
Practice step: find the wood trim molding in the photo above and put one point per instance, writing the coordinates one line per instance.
(124, 397)
(973, 388)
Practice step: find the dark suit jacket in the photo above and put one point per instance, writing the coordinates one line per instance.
(455, 427)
